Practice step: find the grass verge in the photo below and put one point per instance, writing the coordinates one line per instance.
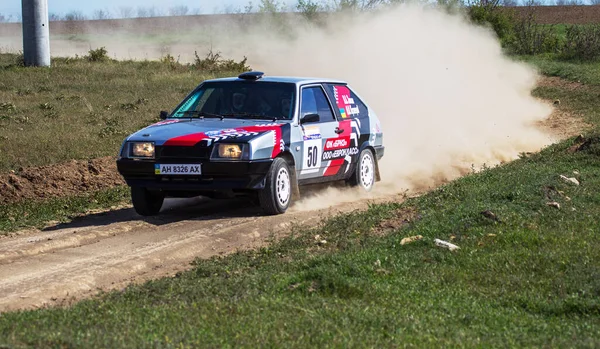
(529, 277)
(587, 73)
(37, 214)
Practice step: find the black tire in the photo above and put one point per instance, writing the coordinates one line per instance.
(276, 197)
(145, 202)
(365, 172)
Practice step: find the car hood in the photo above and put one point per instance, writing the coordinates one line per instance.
(188, 132)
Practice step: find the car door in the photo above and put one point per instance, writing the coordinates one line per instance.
(313, 100)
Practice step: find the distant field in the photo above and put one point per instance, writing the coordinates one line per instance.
(181, 25)
(562, 14)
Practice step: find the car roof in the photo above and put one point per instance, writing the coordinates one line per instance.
(285, 79)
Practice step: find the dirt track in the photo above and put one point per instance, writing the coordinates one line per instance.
(111, 250)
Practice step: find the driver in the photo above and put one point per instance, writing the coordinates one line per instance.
(286, 107)
(238, 101)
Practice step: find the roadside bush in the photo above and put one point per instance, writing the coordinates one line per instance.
(489, 13)
(531, 38)
(310, 10)
(98, 55)
(213, 62)
(582, 43)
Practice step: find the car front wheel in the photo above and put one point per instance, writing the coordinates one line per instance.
(364, 174)
(145, 202)
(276, 197)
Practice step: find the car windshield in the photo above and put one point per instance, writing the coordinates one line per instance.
(240, 99)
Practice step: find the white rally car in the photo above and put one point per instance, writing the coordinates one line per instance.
(254, 135)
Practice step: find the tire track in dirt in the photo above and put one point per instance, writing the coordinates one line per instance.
(112, 251)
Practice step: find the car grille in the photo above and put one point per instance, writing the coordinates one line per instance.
(177, 152)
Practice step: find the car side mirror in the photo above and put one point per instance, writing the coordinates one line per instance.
(310, 118)
(164, 114)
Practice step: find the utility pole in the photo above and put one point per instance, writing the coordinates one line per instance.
(36, 33)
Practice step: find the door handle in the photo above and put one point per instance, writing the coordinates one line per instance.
(339, 130)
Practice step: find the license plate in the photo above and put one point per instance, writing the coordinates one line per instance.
(177, 169)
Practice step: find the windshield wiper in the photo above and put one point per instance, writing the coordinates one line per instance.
(201, 114)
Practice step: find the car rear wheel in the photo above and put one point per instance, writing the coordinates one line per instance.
(276, 197)
(364, 174)
(146, 202)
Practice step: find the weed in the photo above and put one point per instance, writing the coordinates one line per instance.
(7, 107)
(98, 55)
(51, 115)
(129, 106)
(213, 62)
(111, 128)
(24, 92)
(46, 106)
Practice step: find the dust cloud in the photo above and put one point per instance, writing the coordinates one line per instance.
(448, 99)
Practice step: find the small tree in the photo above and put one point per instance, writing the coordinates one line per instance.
(178, 10)
(309, 9)
(75, 16)
(53, 17)
(510, 3)
(101, 14)
(148, 12)
(488, 12)
(126, 12)
(269, 6)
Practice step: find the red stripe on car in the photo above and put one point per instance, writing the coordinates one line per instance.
(187, 140)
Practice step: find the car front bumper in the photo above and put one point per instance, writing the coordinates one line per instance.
(215, 175)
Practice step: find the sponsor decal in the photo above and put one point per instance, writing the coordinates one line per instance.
(312, 132)
(236, 134)
(213, 133)
(337, 143)
(165, 122)
(339, 153)
(220, 135)
(345, 102)
(268, 125)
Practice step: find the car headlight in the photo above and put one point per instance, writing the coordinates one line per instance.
(223, 151)
(141, 150)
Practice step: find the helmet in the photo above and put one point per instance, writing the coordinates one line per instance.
(238, 101)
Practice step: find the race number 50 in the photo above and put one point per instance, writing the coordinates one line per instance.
(312, 154)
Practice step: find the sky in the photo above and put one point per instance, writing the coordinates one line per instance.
(87, 7)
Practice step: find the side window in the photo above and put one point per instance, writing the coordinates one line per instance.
(314, 101)
(347, 103)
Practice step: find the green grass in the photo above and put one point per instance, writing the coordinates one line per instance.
(80, 109)
(37, 214)
(531, 280)
(587, 73)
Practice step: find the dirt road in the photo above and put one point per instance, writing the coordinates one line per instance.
(111, 250)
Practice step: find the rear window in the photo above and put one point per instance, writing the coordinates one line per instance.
(348, 105)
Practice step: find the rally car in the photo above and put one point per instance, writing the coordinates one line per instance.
(254, 135)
